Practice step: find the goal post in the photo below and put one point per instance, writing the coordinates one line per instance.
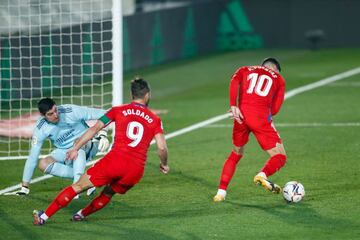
(117, 50)
(67, 50)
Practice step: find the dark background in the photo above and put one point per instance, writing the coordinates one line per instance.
(160, 36)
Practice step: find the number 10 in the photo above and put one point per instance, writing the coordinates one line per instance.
(257, 83)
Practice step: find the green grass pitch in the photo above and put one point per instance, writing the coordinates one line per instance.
(324, 157)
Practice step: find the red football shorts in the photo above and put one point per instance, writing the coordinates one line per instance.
(121, 174)
(264, 131)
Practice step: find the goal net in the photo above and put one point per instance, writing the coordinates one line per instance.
(51, 48)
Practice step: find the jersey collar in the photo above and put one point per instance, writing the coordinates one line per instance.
(139, 104)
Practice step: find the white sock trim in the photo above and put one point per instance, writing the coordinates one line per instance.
(221, 192)
(44, 217)
(80, 213)
(262, 174)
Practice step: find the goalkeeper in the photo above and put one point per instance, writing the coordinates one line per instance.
(62, 125)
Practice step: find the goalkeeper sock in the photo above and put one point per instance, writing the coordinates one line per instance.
(61, 200)
(79, 165)
(274, 164)
(98, 203)
(59, 170)
(228, 170)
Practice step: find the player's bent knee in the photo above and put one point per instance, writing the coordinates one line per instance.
(45, 163)
(77, 187)
(42, 165)
(279, 149)
(108, 191)
(83, 184)
(121, 188)
(80, 187)
(48, 168)
(238, 150)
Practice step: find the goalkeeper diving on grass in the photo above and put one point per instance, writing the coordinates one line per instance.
(63, 125)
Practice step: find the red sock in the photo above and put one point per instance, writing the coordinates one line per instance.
(228, 170)
(274, 164)
(61, 200)
(98, 203)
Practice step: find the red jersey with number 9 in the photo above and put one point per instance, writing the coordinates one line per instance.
(135, 127)
(257, 90)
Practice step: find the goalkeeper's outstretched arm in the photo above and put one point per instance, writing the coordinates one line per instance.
(30, 165)
(31, 162)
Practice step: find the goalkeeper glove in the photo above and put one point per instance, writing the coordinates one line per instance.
(104, 143)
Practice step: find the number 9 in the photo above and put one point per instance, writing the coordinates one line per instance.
(136, 137)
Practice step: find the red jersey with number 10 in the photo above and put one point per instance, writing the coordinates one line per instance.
(257, 90)
(135, 127)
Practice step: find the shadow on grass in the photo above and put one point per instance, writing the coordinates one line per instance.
(184, 177)
(110, 231)
(14, 228)
(301, 213)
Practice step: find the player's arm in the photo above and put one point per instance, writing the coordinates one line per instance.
(88, 135)
(86, 113)
(162, 151)
(234, 95)
(278, 99)
(31, 162)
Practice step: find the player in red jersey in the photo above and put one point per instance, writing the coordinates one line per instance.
(121, 168)
(256, 94)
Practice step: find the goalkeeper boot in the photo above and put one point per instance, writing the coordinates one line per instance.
(37, 219)
(261, 179)
(220, 196)
(78, 217)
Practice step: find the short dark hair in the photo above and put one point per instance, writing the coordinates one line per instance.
(45, 104)
(139, 88)
(273, 61)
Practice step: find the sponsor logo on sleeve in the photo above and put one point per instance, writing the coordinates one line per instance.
(34, 141)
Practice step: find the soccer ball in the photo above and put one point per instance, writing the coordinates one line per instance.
(293, 192)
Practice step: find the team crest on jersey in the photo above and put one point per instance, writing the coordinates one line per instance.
(34, 141)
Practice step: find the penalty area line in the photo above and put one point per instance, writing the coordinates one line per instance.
(218, 118)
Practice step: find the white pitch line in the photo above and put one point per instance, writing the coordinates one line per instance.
(345, 84)
(322, 82)
(349, 124)
(218, 118)
(344, 124)
(18, 186)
